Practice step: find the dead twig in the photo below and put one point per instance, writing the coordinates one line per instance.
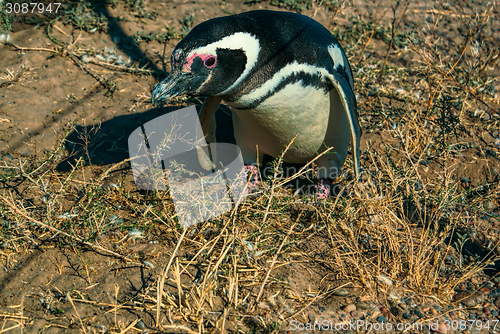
(11, 204)
(335, 14)
(447, 76)
(163, 275)
(68, 296)
(274, 184)
(261, 292)
(394, 29)
(15, 78)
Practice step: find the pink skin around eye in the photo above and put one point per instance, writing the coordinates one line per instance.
(204, 57)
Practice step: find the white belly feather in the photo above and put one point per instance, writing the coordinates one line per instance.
(295, 109)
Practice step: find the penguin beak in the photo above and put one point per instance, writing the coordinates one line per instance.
(177, 83)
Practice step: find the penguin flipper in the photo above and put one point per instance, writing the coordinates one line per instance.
(349, 102)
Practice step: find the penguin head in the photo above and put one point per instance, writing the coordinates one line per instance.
(209, 61)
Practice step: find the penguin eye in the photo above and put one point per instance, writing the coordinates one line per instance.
(210, 61)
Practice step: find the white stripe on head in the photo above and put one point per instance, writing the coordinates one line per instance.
(339, 59)
(270, 85)
(237, 41)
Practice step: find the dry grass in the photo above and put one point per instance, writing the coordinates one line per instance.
(408, 227)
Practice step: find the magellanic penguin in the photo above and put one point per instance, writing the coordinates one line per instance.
(282, 74)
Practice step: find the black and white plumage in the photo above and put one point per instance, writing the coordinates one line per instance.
(283, 74)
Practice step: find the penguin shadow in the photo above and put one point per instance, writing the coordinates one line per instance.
(470, 248)
(107, 143)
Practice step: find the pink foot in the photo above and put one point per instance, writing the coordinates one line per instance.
(326, 188)
(323, 188)
(253, 176)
